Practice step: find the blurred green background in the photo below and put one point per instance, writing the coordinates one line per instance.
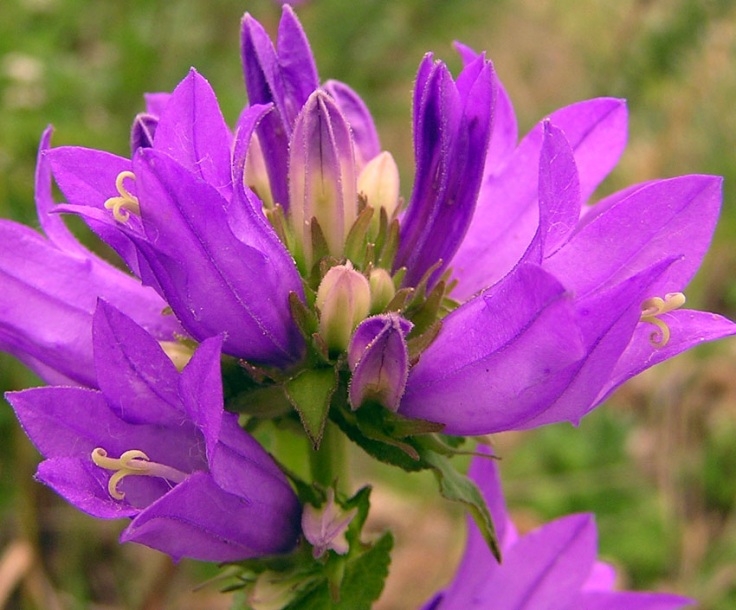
(657, 464)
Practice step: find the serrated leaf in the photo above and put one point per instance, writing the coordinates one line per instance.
(310, 393)
(457, 487)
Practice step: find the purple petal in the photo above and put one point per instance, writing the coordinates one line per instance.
(138, 379)
(607, 321)
(197, 519)
(156, 102)
(559, 195)
(452, 123)
(143, 131)
(480, 365)
(379, 361)
(506, 217)
(544, 568)
(629, 600)
(687, 329)
(359, 118)
(192, 131)
(505, 133)
(81, 483)
(72, 422)
(200, 388)
(675, 216)
(222, 285)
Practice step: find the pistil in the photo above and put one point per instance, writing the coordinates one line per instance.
(133, 462)
(126, 203)
(652, 308)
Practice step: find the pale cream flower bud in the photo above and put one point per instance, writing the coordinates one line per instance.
(379, 182)
(344, 300)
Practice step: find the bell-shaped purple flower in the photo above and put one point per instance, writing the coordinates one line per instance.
(188, 229)
(50, 288)
(379, 361)
(554, 567)
(156, 446)
(452, 126)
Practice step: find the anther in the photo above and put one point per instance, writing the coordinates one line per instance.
(656, 306)
(132, 462)
(126, 203)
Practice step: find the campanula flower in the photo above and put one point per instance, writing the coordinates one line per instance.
(155, 446)
(554, 567)
(51, 283)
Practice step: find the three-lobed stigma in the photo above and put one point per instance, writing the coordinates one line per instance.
(654, 307)
(126, 203)
(133, 462)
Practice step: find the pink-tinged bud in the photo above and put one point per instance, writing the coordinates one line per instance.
(382, 289)
(379, 182)
(325, 527)
(343, 300)
(322, 180)
(379, 360)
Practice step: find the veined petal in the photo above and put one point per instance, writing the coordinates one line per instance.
(193, 132)
(197, 519)
(452, 126)
(133, 372)
(480, 363)
(81, 483)
(676, 216)
(285, 78)
(220, 284)
(365, 136)
(607, 321)
(505, 133)
(507, 216)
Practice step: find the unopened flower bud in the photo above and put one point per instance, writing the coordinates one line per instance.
(382, 289)
(256, 175)
(273, 591)
(379, 360)
(179, 353)
(343, 299)
(322, 178)
(325, 527)
(379, 182)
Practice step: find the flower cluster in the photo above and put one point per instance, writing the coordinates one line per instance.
(278, 258)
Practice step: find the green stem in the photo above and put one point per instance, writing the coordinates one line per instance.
(329, 463)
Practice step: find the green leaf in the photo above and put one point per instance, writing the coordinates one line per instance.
(361, 583)
(310, 393)
(457, 487)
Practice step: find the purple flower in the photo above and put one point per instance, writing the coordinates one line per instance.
(181, 218)
(154, 445)
(50, 288)
(554, 567)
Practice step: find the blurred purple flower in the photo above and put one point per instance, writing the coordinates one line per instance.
(554, 567)
(154, 445)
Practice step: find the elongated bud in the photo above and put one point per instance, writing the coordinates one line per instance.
(382, 289)
(343, 299)
(322, 181)
(379, 182)
(143, 131)
(379, 360)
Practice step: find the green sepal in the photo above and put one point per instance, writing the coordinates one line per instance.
(416, 345)
(356, 239)
(457, 487)
(310, 393)
(304, 317)
(263, 402)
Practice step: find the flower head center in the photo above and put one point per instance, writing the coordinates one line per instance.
(652, 308)
(133, 462)
(126, 202)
